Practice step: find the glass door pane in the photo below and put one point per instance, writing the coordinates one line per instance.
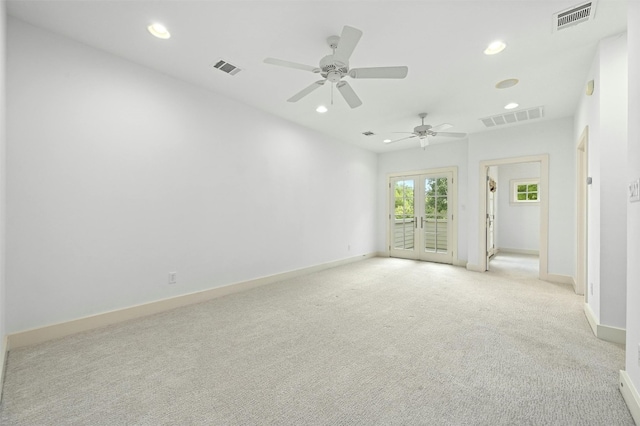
(435, 223)
(404, 215)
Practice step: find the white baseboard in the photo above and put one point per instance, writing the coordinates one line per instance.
(475, 268)
(517, 251)
(4, 350)
(630, 395)
(604, 332)
(458, 262)
(54, 331)
(561, 279)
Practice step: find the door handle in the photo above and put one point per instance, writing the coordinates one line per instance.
(421, 222)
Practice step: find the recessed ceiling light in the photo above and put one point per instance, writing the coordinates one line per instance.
(511, 105)
(495, 47)
(386, 140)
(159, 31)
(322, 109)
(505, 84)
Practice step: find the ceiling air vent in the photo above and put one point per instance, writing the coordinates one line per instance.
(513, 117)
(574, 16)
(368, 133)
(227, 67)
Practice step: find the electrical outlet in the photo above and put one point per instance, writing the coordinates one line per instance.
(173, 277)
(348, 247)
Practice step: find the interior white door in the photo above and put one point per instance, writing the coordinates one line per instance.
(421, 221)
(491, 217)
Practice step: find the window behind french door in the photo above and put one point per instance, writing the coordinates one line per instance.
(421, 216)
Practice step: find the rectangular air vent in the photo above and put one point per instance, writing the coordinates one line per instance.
(368, 133)
(574, 16)
(227, 67)
(513, 117)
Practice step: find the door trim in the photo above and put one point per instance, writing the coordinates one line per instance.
(582, 170)
(543, 270)
(453, 200)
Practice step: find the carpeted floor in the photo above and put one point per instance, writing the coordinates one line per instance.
(378, 342)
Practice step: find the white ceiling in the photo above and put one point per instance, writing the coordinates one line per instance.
(441, 41)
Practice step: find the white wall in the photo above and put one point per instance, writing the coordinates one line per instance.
(434, 156)
(2, 184)
(605, 113)
(588, 116)
(118, 175)
(633, 209)
(518, 225)
(553, 137)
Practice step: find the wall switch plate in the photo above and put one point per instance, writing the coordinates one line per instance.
(634, 191)
(173, 277)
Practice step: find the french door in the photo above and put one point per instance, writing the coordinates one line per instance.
(421, 217)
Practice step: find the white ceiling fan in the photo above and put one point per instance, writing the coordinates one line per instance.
(336, 66)
(424, 130)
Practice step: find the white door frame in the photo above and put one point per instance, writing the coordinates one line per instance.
(453, 205)
(582, 158)
(543, 271)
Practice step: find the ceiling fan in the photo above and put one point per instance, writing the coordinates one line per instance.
(425, 130)
(336, 66)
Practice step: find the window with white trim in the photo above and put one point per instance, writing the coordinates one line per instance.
(525, 191)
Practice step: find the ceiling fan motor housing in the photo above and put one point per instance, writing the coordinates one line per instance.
(332, 69)
(422, 129)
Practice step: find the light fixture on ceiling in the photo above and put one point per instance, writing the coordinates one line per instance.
(386, 141)
(505, 84)
(322, 109)
(511, 105)
(159, 30)
(495, 47)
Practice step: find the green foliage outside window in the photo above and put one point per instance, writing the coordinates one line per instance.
(527, 192)
(404, 199)
(435, 199)
(435, 203)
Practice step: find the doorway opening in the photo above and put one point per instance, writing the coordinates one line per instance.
(513, 216)
(523, 191)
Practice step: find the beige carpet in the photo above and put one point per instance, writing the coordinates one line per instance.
(382, 341)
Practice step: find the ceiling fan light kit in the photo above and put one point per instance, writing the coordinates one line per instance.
(333, 68)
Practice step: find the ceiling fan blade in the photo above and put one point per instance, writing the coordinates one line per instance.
(451, 134)
(401, 139)
(348, 94)
(288, 64)
(304, 92)
(379, 72)
(439, 127)
(348, 40)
